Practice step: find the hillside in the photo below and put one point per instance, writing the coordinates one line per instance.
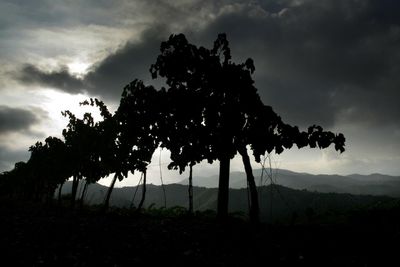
(34, 235)
(373, 184)
(305, 229)
(277, 203)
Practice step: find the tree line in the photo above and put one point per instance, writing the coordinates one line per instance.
(208, 110)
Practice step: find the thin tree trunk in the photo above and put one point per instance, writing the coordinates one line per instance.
(86, 191)
(162, 182)
(81, 185)
(254, 205)
(143, 192)
(223, 187)
(134, 195)
(60, 193)
(83, 193)
(75, 183)
(110, 189)
(190, 189)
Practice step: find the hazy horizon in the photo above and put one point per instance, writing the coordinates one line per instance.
(172, 177)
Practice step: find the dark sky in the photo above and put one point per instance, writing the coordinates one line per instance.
(330, 62)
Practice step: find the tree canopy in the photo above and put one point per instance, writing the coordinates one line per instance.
(209, 110)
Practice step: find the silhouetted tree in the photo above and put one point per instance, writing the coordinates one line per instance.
(48, 167)
(38, 170)
(4, 180)
(108, 152)
(17, 183)
(182, 131)
(224, 90)
(58, 166)
(266, 132)
(228, 104)
(211, 110)
(139, 123)
(81, 139)
(58, 169)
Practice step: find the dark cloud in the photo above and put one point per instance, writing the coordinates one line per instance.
(50, 13)
(108, 77)
(62, 79)
(132, 61)
(9, 157)
(17, 119)
(329, 62)
(321, 62)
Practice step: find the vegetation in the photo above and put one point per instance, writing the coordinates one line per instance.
(210, 111)
(32, 235)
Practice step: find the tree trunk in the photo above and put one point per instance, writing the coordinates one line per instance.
(75, 183)
(254, 205)
(143, 192)
(223, 187)
(60, 193)
(83, 193)
(162, 182)
(110, 189)
(190, 190)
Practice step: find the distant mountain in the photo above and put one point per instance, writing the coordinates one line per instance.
(277, 203)
(373, 184)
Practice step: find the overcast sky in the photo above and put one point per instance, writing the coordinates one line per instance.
(335, 63)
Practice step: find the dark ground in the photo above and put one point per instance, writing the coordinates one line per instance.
(32, 235)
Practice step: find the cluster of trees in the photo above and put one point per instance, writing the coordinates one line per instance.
(210, 110)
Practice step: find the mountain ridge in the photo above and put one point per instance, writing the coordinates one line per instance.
(372, 184)
(277, 203)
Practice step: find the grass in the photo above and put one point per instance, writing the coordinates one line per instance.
(32, 234)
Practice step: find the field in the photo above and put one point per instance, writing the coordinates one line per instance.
(35, 235)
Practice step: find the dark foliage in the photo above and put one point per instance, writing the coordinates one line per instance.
(32, 235)
(210, 111)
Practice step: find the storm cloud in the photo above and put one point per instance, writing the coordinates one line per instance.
(316, 61)
(16, 126)
(106, 78)
(132, 61)
(8, 157)
(16, 119)
(324, 60)
(328, 62)
(61, 79)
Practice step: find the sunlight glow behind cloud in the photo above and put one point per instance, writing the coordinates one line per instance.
(78, 68)
(55, 102)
